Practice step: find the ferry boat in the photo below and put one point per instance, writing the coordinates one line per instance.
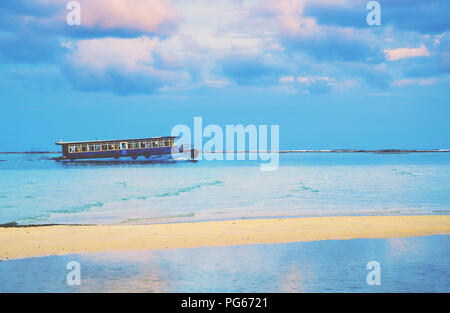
(123, 148)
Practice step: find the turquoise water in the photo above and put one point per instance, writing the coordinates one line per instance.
(37, 190)
(413, 264)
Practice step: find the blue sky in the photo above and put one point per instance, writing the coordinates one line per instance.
(136, 68)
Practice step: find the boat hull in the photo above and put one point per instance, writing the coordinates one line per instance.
(117, 154)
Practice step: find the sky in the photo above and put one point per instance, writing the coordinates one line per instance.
(137, 68)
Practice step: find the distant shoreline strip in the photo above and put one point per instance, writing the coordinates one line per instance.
(335, 151)
(286, 151)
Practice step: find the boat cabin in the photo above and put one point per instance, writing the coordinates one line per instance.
(118, 148)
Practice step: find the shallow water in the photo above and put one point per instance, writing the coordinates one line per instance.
(414, 264)
(37, 190)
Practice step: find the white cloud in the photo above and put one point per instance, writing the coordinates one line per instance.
(140, 15)
(308, 84)
(414, 81)
(129, 54)
(403, 53)
(305, 80)
(121, 64)
(313, 79)
(288, 16)
(287, 79)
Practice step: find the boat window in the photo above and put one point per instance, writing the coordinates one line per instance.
(71, 149)
(124, 145)
(116, 146)
(83, 148)
(97, 147)
(76, 148)
(130, 145)
(136, 145)
(160, 143)
(155, 143)
(142, 145)
(91, 148)
(110, 146)
(166, 143)
(104, 147)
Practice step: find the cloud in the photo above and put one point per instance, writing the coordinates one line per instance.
(334, 44)
(444, 53)
(414, 81)
(407, 15)
(122, 18)
(436, 64)
(301, 33)
(338, 13)
(313, 84)
(416, 15)
(128, 54)
(123, 65)
(374, 76)
(147, 46)
(287, 79)
(145, 16)
(403, 53)
(313, 79)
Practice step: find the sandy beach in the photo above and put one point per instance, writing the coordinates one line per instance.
(23, 242)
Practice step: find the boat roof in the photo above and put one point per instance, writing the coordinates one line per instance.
(112, 140)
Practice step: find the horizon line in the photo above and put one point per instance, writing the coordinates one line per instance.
(281, 151)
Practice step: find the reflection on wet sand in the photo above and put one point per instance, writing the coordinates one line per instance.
(323, 266)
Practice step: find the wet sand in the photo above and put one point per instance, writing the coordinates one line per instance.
(23, 242)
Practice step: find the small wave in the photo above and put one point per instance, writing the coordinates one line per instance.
(404, 173)
(80, 208)
(134, 198)
(2, 196)
(285, 196)
(46, 216)
(306, 188)
(34, 219)
(189, 188)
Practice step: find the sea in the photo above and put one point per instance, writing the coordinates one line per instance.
(35, 189)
